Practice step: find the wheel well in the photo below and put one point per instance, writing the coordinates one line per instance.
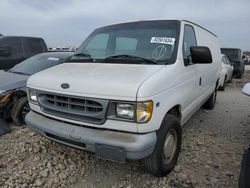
(175, 110)
(18, 94)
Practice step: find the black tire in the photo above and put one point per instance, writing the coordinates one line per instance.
(210, 103)
(239, 76)
(222, 88)
(156, 163)
(20, 110)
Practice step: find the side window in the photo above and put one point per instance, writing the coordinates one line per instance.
(189, 40)
(15, 44)
(98, 45)
(34, 45)
(224, 60)
(125, 45)
(228, 62)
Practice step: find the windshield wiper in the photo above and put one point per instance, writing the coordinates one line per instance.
(22, 73)
(125, 56)
(82, 55)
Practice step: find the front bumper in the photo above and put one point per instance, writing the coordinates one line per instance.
(108, 144)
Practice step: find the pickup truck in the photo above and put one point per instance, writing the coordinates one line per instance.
(128, 90)
(15, 49)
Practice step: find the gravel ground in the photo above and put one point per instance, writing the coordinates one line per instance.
(213, 144)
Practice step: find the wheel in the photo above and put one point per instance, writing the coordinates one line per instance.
(239, 75)
(210, 103)
(20, 110)
(167, 148)
(222, 88)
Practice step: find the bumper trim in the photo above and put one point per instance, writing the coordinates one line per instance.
(136, 146)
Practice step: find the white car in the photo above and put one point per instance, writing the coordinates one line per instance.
(128, 90)
(226, 72)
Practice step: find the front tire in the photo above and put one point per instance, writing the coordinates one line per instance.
(20, 110)
(164, 157)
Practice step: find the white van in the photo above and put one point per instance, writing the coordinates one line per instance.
(128, 90)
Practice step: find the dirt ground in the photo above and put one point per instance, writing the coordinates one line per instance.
(213, 144)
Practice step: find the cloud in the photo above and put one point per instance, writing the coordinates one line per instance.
(68, 22)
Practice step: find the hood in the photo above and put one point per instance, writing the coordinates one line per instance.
(10, 81)
(99, 80)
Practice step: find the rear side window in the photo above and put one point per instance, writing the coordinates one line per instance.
(34, 45)
(15, 44)
(189, 40)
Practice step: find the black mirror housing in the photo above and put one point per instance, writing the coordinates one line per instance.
(201, 55)
(5, 50)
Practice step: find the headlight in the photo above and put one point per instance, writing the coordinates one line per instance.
(139, 112)
(32, 95)
(125, 110)
(144, 111)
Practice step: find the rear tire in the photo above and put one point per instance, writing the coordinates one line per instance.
(222, 88)
(210, 103)
(20, 110)
(239, 76)
(164, 157)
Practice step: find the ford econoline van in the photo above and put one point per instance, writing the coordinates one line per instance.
(128, 90)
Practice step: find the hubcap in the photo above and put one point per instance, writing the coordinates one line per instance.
(169, 147)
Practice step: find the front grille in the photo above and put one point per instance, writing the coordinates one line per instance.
(75, 108)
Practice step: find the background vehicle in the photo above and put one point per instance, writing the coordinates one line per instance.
(128, 90)
(226, 72)
(14, 49)
(235, 56)
(246, 59)
(13, 100)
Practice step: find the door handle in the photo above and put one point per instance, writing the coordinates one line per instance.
(200, 81)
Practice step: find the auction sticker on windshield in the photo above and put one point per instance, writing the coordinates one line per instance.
(163, 40)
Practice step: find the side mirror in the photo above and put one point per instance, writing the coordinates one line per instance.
(5, 50)
(246, 89)
(201, 55)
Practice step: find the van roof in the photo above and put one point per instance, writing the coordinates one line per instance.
(149, 20)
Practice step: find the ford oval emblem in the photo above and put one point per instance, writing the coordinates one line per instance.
(65, 86)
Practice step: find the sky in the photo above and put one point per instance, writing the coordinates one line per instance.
(69, 22)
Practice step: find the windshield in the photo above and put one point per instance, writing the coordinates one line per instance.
(35, 64)
(232, 54)
(148, 40)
